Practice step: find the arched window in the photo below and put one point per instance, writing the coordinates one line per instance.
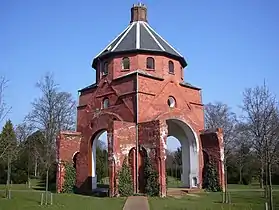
(125, 63)
(171, 67)
(150, 63)
(105, 103)
(105, 68)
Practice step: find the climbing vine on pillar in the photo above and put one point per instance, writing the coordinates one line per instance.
(69, 178)
(210, 178)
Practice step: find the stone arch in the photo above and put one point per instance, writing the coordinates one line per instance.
(190, 156)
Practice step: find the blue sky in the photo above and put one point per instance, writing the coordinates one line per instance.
(229, 44)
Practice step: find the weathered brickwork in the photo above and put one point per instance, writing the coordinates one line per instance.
(212, 144)
(138, 104)
(67, 145)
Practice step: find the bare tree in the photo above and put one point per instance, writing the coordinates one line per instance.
(242, 147)
(219, 115)
(52, 112)
(4, 110)
(261, 113)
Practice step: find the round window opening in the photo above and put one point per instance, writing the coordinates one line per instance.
(171, 102)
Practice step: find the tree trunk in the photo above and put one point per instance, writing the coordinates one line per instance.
(226, 185)
(35, 167)
(262, 176)
(46, 185)
(270, 187)
(8, 177)
(266, 174)
(240, 175)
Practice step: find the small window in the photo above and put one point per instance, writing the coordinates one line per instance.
(125, 63)
(150, 63)
(182, 73)
(171, 102)
(105, 68)
(105, 103)
(171, 67)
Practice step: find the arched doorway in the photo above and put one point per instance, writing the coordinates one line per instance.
(75, 156)
(189, 151)
(142, 154)
(99, 162)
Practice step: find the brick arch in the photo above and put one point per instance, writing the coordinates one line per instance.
(178, 115)
(99, 123)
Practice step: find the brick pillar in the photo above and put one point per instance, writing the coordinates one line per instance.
(111, 162)
(67, 145)
(162, 157)
(212, 144)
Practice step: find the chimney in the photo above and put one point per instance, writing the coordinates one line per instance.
(138, 13)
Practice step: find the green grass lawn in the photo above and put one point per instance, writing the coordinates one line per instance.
(31, 201)
(242, 197)
(212, 201)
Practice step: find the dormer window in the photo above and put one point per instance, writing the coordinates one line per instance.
(105, 103)
(171, 67)
(150, 63)
(105, 68)
(126, 63)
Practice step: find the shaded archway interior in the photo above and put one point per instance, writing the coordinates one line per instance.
(190, 161)
(142, 155)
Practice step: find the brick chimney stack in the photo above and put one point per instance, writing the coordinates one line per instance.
(138, 12)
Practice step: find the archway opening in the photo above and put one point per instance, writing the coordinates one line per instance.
(182, 143)
(173, 162)
(75, 156)
(142, 155)
(100, 176)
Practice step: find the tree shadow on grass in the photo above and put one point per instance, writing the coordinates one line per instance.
(41, 186)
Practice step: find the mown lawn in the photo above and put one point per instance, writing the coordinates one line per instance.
(212, 201)
(31, 201)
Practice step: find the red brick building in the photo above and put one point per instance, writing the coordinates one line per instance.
(140, 98)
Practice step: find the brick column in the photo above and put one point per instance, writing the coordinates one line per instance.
(111, 162)
(162, 157)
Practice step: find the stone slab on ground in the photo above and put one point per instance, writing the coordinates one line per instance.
(136, 203)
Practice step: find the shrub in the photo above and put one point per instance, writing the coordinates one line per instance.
(211, 180)
(69, 179)
(151, 176)
(125, 185)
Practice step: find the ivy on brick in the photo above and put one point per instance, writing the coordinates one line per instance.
(69, 178)
(211, 179)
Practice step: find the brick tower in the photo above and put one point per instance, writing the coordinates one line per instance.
(140, 98)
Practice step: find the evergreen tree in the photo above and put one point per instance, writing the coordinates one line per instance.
(151, 177)
(8, 149)
(210, 180)
(125, 186)
(69, 179)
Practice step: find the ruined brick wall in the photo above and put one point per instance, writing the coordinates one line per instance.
(212, 144)
(93, 119)
(67, 147)
(153, 112)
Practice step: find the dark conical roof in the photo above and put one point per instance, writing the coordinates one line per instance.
(139, 37)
